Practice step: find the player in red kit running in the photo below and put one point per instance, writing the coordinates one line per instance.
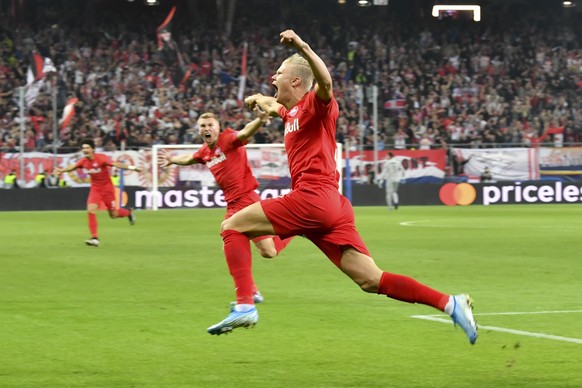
(315, 208)
(225, 155)
(102, 190)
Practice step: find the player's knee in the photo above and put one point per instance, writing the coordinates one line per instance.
(369, 286)
(225, 225)
(268, 253)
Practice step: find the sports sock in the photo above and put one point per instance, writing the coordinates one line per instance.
(121, 212)
(449, 306)
(281, 244)
(237, 249)
(243, 308)
(406, 289)
(93, 224)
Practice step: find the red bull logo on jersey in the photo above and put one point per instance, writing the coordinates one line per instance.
(215, 160)
(292, 127)
(93, 170)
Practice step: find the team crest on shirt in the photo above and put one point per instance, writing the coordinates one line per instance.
(293, 111)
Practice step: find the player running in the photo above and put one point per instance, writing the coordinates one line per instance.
(225, 155)
(315, 208)
(102, 190)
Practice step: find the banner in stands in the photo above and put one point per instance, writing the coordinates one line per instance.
(270, 166)
(564, 164)
(37, 162)
(505, 164)
(421, 166)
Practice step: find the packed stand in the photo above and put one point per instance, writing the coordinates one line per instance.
(512, 80)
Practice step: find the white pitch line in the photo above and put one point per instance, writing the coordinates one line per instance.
(518, 313)
(504, 330)
(422, 224)
(452, 225)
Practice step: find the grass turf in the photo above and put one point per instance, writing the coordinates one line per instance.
(134, 312)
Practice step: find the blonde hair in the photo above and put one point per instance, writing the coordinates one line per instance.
(208, 115)
(300, 68)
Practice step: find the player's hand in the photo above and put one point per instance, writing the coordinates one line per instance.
(251, 101)
(291, 39)
(261, 114)
(57, 172)
(164, 158)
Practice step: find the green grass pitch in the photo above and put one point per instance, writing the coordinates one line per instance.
(134, 312)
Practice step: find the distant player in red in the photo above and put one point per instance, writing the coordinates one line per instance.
(315, 208)
(225, 155)
(102, 189)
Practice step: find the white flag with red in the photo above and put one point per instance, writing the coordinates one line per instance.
(243, 74)
(68, 112)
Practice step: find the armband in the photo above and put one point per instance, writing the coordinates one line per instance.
(131, 167)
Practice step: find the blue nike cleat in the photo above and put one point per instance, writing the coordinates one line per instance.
(234, 320)
(463, 316)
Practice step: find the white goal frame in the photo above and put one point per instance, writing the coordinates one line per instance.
(157, 147)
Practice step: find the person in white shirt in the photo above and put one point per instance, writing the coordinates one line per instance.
(391, 175)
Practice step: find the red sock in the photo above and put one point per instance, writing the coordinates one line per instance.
(121, 212)
(406, 289)
(281, 244)
(237, 249)
(93, 224)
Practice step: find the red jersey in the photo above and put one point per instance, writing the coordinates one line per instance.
(98, 169)
(228, 163)
(310, 128)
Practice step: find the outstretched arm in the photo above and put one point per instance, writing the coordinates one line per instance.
(252, 127)
(125, 166)
(265, 103)
(58, 171)
(322, 76)
(166, 159)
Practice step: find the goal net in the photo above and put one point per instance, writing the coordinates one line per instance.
(194, 186)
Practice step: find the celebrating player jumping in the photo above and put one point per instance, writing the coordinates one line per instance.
(315, 208)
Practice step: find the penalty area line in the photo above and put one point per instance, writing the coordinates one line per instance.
(505, 330)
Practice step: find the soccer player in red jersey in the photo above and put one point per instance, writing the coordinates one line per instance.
(225, 155)
(102, 190)
(315, 208)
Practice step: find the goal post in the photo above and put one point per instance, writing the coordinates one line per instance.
(196, 186)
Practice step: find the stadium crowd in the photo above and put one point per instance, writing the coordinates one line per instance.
(514, 79)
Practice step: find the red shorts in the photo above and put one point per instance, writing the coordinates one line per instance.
(322, 215)
(240, 203)
(105, 197)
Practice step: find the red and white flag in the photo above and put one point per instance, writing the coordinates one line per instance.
(37, 70)
(242, 81)
(68, 112)
(555, 130)
(395, 104)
